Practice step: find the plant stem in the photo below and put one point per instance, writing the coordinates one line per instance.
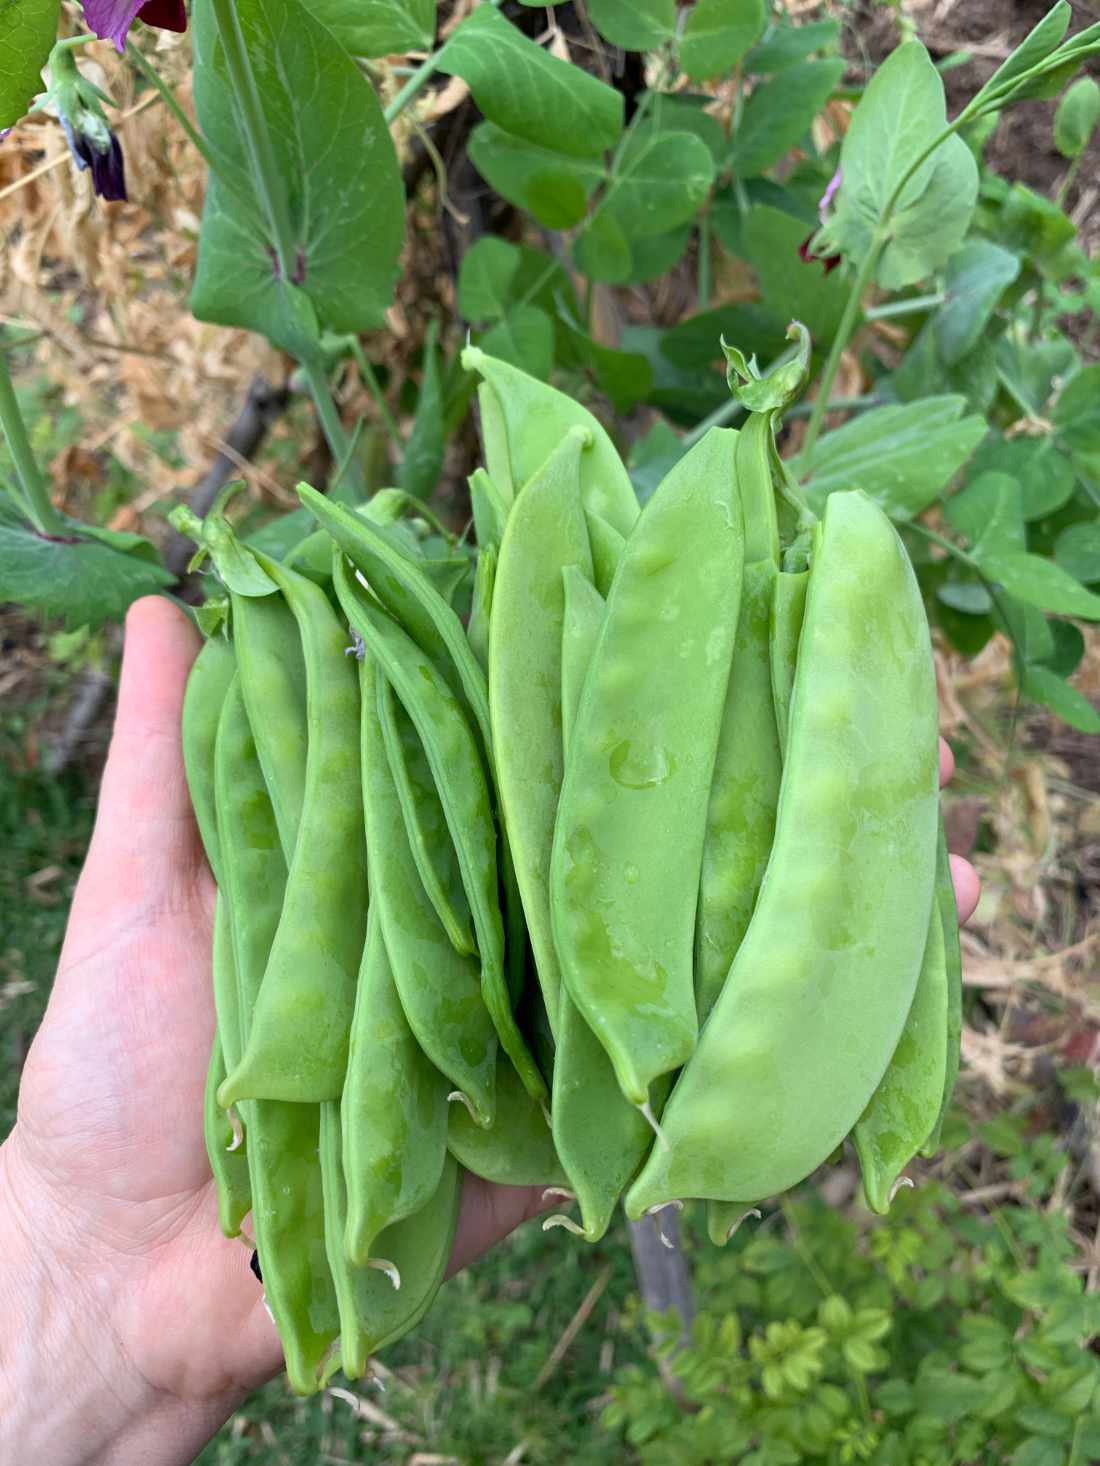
(719, 418)
(335, 434)
(70, 43)
(370, 381)
(265, 168)
(703, 289)
(35, 495)
(153, 77)
(840, 342)
(419, 77)
(905, 307)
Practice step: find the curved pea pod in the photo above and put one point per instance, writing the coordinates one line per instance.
(394, 1109)
(298, 1040)
(788, 610)
(584, 613)
(373, 1311)
(607, 550)
(312, 557)
(725, 1217)
(535, 418)
(490, 507)
(948, 913)
(624, 887)
(517, 1149)
(494, 441)
(545, 532)
(224, 1147)
(439, 988)
(903, 1109)
(453, 757)
(817, 996)
(425, 823)
(400, 584)
(207, 684)
(477, 629)
(274, 686)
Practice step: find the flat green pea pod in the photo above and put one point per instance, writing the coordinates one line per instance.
(607, 550)
(394, 1109)
(456, 767)
(312, 557)
(224, 1143)
(211, 674)
(600, 1137)
(517, 1149)
(274, 685)
(725, 1217)
(903, 1109)
(477, 629)
(948, 912)
(788, 610)
(498, 463)
(818, 994)
(745, 785)
(545, 532)
(376, 1308)
(490, 506)
(297, 1043)
(639, 768)
(533, 418)
(425, 823)
(439, 988)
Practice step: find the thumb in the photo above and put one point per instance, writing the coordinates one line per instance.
(145, 841)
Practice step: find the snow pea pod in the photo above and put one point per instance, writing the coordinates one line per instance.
(788, 610)
(373, 1311)
(948, 913)
(439, 988)
(640, 766)
(490, 507)
(902, 1111)
(745, 785)
(226, 1153)
(584, 613)
(297, 1043)
(456, 767)
(394, 1108)
(477, 629)
(545, 532)
(274, 686)
(607, 550)
(517, 1149)
(211, 674)
(535, 418)
(818, 994)
(425, 824)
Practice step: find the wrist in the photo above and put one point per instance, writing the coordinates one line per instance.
(69, 1394)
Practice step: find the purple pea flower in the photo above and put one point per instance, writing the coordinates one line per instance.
(103, 157)
(112, 19)
(806, 250)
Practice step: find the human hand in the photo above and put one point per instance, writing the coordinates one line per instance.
(104, 1181)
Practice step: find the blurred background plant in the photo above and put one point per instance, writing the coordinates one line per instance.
(967, 397)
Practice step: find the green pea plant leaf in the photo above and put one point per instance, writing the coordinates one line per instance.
(27, 32)
(378, 27)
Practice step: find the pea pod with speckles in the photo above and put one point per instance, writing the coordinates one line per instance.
(816, 999)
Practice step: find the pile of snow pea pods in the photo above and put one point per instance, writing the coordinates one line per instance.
(602, 855)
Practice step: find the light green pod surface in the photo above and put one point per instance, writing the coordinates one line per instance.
(788, 610)
(632, 815)
(535, 418)
(724, 1218)
(439, 988)
(298, 1042)
(425, 824)
(288, 1220)
(477, 628)
(607, 550)
(456, 768)
(494, 440)
(273, 681)
(312, 557)
(211, 673)
(584, 613)
(743, 795)
(399, 582)
(517, 1149)
(817, 996)
(228, 1162)
(394, 1107)
(490, 507)
(948, 913)
(545, 533)
(902, 1111)
(372, 1311)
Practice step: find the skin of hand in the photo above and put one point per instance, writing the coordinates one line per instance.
(121, 1299)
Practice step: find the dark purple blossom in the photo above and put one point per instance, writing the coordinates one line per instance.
(807, 256)
(112, 19)
(105, 160)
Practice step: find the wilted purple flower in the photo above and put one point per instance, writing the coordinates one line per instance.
(78, 103)
(103, 158)
(113, 18)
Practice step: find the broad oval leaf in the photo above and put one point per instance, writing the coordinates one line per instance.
(378, 27)
(903, 457)
(601, 250)
(27, 32)
(423, 459)
(1038, 582)
(977, 276)
(1077, 551)
(662, 180)
(529, 93)
(636, 25)
(1077, 418)
(339, 169)
(551, 186)
(718, 33)
(485, 279)
(783, 45)
(779, 113)
(1076, 118)
(524, 337)
(1044, 473)
(1044, 686)
(797, 287)
(989, 514)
